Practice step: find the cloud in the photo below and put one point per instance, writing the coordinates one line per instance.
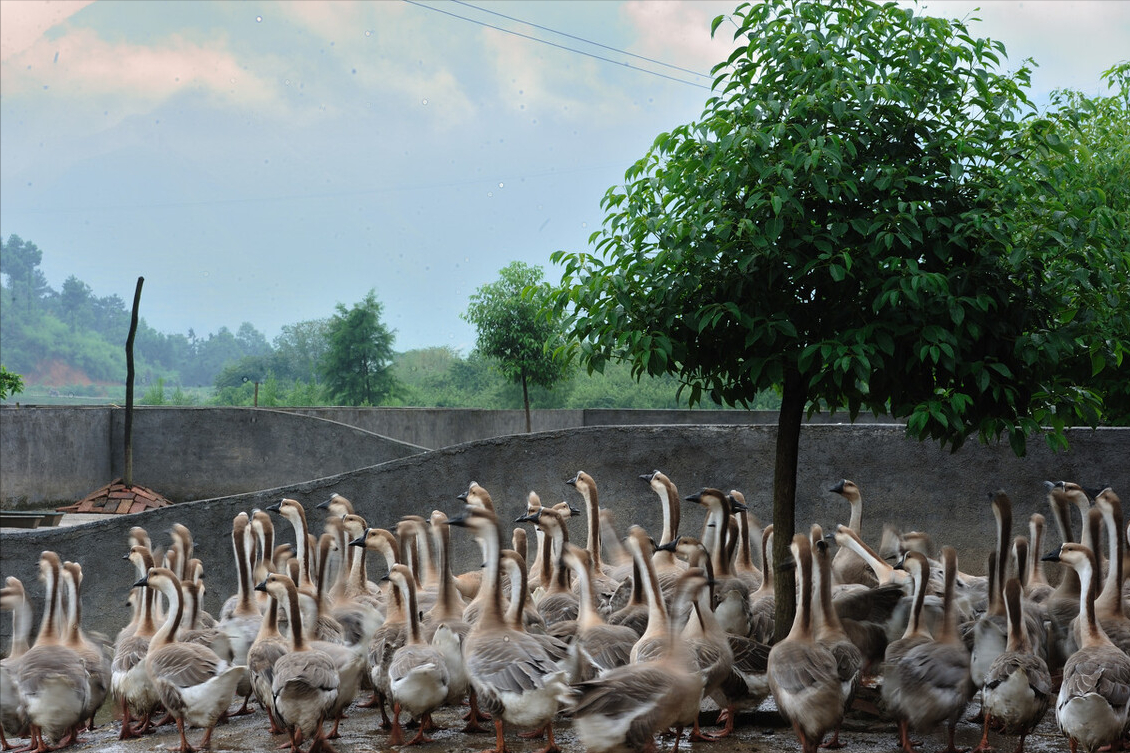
(82, 64)
(678, 32)
(24, 22)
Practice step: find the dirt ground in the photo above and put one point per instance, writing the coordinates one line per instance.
(763, 730)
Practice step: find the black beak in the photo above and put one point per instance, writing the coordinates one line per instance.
(1051, 556)
(143, 582)
(324, 505)
(838, 488)
(648, 476)
(532, 517)
(574, 510)
(668, 547)
(262, 586)
(275, 507)
(459, 520)
(696, 497)
(360, 540)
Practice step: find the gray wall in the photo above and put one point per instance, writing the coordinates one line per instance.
(56, 456)
(442, 427)
(906, 483)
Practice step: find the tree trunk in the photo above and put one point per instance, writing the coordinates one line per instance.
(127, 477)
(526, 401)
(784, 501)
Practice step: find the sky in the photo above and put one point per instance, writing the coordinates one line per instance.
(264, 162)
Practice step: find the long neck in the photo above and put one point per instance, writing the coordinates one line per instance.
(21, 627)
(948, 633)
(855, 523)
(49, 627)
(914, 624)
(587, 614)
(1002, 511)
(74, 609)
(543, 562)
(302, 548)
(719, 555)
(358, 571)
(1017, 633)
(669, 503)
(168, 631)
(745, 547)
(294, 619)
(592, 511)
(490, 588)
(1093, 634)
(802, 623)
(518, 597)
(560, 578)
(269, 627)
(766, 587)
(883, 571)
(245, 604)
(1109, 602)
(265, 535)
(829, 623)
(1069, 582)
(656, 608)
(408, 593)
(1036, 575)
(446, 605)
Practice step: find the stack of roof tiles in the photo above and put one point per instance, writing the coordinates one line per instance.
(117, 498)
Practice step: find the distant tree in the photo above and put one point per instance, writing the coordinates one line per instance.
(516, 329)
(10, 383)
(253, 342)
(840, 223)
(356, 364)
(20, 259)
(75, 299)
(299, 348)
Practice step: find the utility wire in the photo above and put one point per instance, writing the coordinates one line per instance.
(561, 46)
(582, 39)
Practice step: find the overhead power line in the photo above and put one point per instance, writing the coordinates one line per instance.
(620, 63)
(582, 39)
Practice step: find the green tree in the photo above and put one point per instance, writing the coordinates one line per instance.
(75, 299)
(299, 348)
(356, 364)
(839, 223)
(10, 383)
(514, 330)
(20, 259)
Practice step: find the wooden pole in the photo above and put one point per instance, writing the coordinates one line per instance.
(128, 477)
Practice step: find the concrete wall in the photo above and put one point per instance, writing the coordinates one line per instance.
(906, 483)
(55, 456)
(442, 427)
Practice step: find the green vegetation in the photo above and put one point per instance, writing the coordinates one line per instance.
(862, 216)
(515, 332)
(10, 384)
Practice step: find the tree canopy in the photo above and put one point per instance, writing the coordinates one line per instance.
(356, 363)
(843, 222)
(510, 315)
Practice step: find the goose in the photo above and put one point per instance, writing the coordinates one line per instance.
(191, 630)
(1018, 688)
(417, 672)
(731, 592)
(622, 709)
(634, 613)
(669, 498)
(1094, 696)
(444, 626)
(359, 587)
(293, 512)
(1036, 589)
(323, 625)
(393, 631)
(241, 625)
(51, 678)
(597, 646)
(763, 602)
(1063, 603)
(990, 633)
(558, 604)
(268, 646)
(13, 709)
(1109, 608)
(934, 681)
(802, 674)
(130, 683)
(305, 681)
(95, 661)
(468, 582)
(748, 528)
(413, 529)
(194, 684)
(603, 582)
(515, 679)
(520, 543)
(828, 630)
(847, 565)
(916, 634)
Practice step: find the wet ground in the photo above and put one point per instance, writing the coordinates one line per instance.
(760, 731)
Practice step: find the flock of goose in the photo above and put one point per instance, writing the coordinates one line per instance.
(625, 637)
